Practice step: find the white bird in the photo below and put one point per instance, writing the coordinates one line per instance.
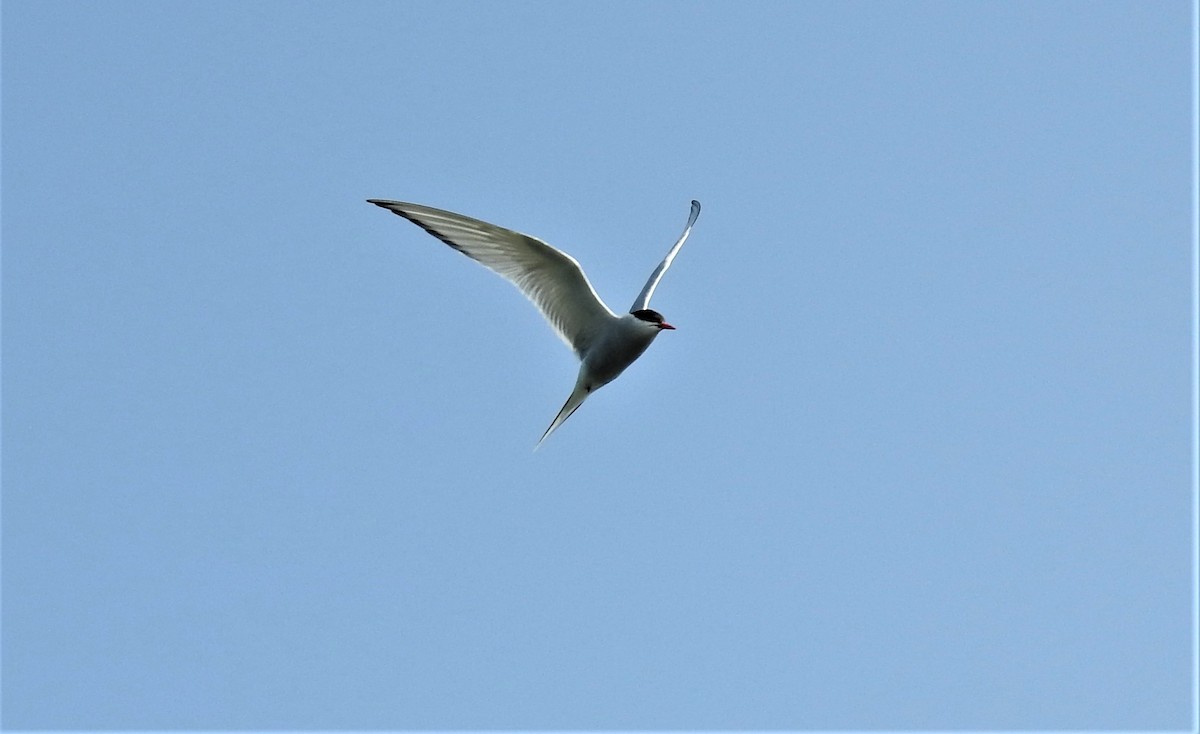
(605, 343)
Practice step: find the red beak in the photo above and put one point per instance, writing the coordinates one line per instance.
(665, 325)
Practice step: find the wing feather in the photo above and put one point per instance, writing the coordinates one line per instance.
(550, 278)
(643, 299)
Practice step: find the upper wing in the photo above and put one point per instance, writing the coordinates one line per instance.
(643, 299)
(550, 278)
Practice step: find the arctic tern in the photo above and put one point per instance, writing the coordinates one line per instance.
(604, 343)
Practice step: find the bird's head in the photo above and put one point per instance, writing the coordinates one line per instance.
(652, 317)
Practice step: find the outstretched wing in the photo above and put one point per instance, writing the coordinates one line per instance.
(643, 299)
(550, 278)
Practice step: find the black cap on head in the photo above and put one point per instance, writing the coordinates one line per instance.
(648, 314)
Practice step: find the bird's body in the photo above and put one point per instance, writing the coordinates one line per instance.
(625, 339)
(604, 342)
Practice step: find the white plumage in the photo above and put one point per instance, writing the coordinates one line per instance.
(604, 342)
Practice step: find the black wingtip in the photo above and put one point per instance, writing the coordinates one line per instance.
(391, 206)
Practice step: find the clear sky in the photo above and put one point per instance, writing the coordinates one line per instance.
(917, 456)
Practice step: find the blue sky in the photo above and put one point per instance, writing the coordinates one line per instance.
(917, 457)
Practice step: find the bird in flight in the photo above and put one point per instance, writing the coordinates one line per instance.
(604, 342)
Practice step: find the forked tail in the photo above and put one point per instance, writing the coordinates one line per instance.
(578, 395)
